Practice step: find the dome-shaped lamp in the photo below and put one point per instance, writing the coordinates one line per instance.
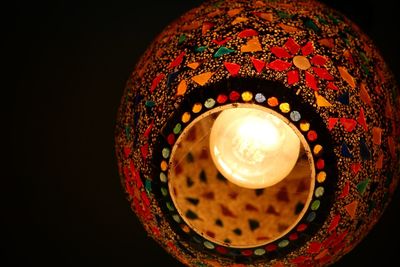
(259, 133)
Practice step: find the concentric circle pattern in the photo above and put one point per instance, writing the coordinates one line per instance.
(304, 61)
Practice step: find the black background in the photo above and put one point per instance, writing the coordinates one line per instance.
(67, 64)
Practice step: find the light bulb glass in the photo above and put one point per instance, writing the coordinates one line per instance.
(253, 148)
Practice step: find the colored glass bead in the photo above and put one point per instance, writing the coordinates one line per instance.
(186, 117)
(317, 150)
(176, 218)
(284, 107)
(321, 177)
(209, 103)
(319, 191)
(234, 96)
(164, 165)
(273, 101)
(304, 126)
(283, 243)
(221, 99)
(259, 252)
(295, 116)
(164, 191)
(170, 207)
(163, 177)
(165, 152)
(177, 129)
(260, 98)
(315, 204)
(247, 96)
(311, 216)
(196, 108)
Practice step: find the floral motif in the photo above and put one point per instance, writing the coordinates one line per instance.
(206, 46)
(313, 66)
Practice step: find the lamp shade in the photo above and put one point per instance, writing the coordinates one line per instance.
(259, 133)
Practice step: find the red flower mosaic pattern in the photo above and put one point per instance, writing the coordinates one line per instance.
(361, 72)
(295, 60)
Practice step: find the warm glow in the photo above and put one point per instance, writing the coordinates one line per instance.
(253, 148)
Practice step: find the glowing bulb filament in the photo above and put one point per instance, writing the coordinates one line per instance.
(253, 148)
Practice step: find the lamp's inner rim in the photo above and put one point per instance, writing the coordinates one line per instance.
(203, 201)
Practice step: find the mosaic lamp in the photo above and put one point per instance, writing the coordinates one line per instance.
(259, 133)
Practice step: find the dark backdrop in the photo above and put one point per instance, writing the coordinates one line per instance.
(67, 63)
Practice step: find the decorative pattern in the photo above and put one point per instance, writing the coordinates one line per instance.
(206, 183)
(300, 58)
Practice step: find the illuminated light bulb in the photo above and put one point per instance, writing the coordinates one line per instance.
(253, 148)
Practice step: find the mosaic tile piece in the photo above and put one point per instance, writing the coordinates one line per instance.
(364, 95)
(355, 167)
(250, 207)
(280, 52)
(293, 77)
(348, 124)
(177, 61)
(321, 101)
(309, 23)
(235, 11)
(191, 215)
(221, 41)
(332, 86)
(193, 65)
(332, 123)
(247, 33)
(377, 136)
(253, 224)
(156, 81)
(292, 46)
(227, 212)
(362, 120)
(206, 27)
(202, 78)
(324, 62)
(346, 151)
(351, 209)
(267, 16)
(237, 231)
(334, 223)
(182, 87)
(258, 64)
(252, 45)
(223, 51)
(347, 77)
(344, 98)
(194, 201)
(279, 65)
(232, 68)
(288, 28)
(364, 150)
(362, 186)
(311, 82)
(319, 60)
(238, 20)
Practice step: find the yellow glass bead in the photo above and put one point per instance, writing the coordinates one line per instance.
(317, 150)
(284, 107)
(197, 107)
(186, 117)
(247, 96)
(321, 177)
(304, 126)
(164, 165)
